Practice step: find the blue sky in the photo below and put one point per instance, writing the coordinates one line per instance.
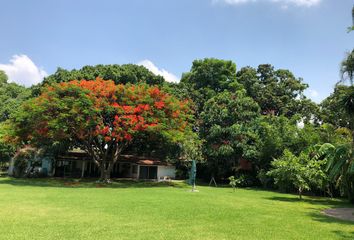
(306, 36)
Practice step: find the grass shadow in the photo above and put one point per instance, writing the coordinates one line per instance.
(312, 200)
(345, 235)
(327, 219)
(317, 215)
(86, 183)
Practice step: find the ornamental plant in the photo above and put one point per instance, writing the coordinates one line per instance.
(100, 117)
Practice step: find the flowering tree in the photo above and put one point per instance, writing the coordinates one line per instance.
(100, 117)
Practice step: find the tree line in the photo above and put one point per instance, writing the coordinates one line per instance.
(216, 114)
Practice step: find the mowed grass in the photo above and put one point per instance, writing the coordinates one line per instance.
(57, 209)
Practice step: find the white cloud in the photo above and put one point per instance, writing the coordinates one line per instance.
(313, 93)
(300, 124)
(23, 71)
(283, 3)
(169, 77)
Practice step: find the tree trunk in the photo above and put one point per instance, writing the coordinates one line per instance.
(105, 174)
(105, 159)
(350, 191)
(300, 193)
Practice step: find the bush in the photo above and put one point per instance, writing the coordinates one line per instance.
(265, 180)
(242, 180)
(25, 160)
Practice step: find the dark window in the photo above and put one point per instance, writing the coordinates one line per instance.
(148, 172)
(135, 168)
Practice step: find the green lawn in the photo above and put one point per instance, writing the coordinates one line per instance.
(53, 209)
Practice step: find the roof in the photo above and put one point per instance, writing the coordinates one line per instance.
(140, 160)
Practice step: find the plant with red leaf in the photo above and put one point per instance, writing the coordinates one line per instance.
(100, 117)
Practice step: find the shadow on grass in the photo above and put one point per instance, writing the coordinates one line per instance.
(316, 215)
(345, 235)
(86, 183)
(326, 219)
(312, 200)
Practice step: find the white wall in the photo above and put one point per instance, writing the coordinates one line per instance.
(163, 171)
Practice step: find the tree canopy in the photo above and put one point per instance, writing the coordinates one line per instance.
(119, 74)
(11, 96)
(278, 92)
(100, 117)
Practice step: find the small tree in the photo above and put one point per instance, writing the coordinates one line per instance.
(100, 117)
(234, 182)
(301, 172)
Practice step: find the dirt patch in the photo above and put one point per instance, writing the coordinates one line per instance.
(340, 213)
(71, 184)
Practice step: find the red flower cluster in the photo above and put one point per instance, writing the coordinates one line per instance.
(118, 111)
(159, 105)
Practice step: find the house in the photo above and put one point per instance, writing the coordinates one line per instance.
(76, 163)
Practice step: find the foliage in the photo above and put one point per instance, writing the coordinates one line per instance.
(11, 97)
(100, 117)
(24, 159)
(279, 133)
(207, 78)
(265, 180)
(347, 68)
(191, 148)
(332, 110)
(234, 182)
(340, 166)
(243, 180)
(120, 74)
(352, 27)
(225, 127)
(6, 150)
(348, 104)
(302, 172)
(278, 92)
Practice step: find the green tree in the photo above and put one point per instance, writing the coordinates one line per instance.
(333, 110)
(225, 126)
(301, 172)
(11, 96)
(347, 68)
(352, 27)
(278, 92)
(279, 133)
(207, 78)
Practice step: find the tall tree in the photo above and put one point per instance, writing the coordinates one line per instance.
(11, 96)
(347, 68)
(100, 117)
(352, 27)
(278, 92)
(207, 78)
(120, 74)
(228, 134)
(332, 109)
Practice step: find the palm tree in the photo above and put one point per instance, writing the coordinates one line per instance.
(352, 27)
(340, 166)
(347, 68)
(348, 103)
